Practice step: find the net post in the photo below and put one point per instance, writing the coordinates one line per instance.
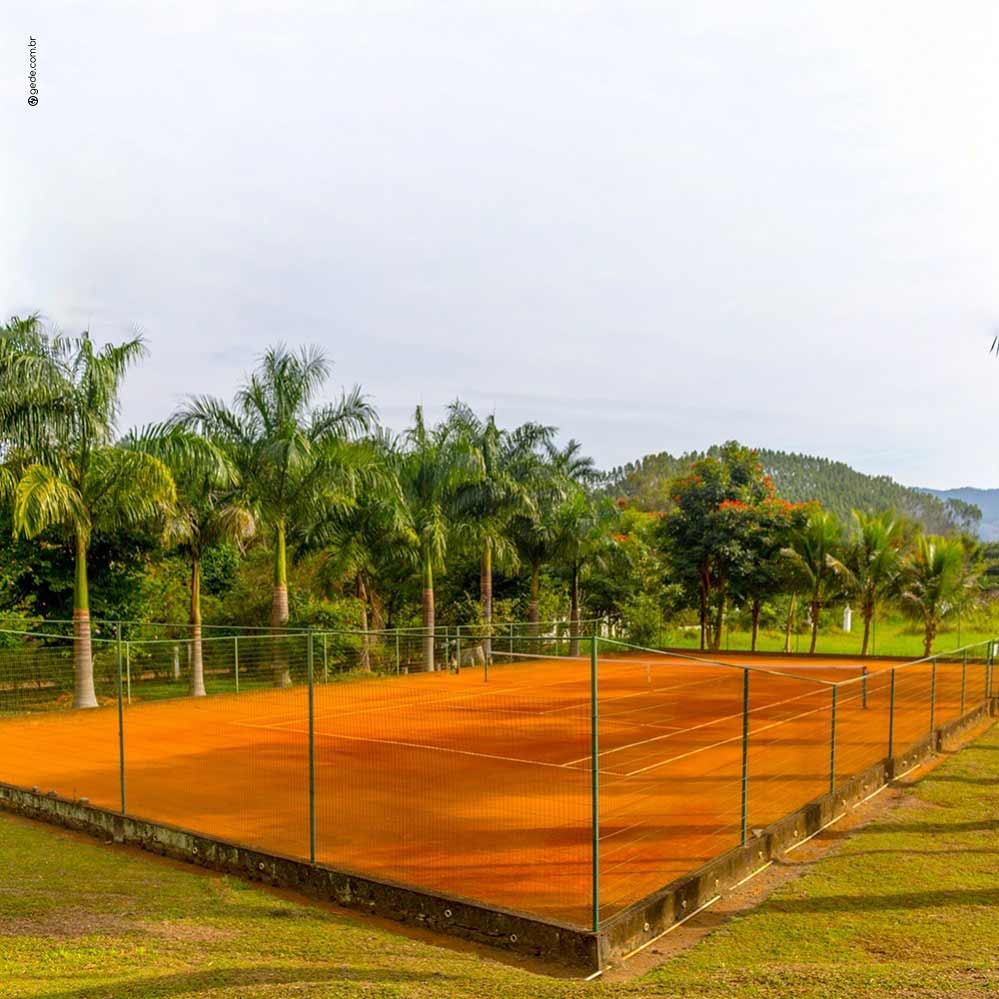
(891, 716)
(121, 720)
(745, 756)
(832, 742)
(594, 787)
(312, 754)
(933, 694)
(235, 659)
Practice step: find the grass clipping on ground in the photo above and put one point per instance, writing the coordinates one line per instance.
(909, 906)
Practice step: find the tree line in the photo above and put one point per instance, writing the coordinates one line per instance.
(380, 523)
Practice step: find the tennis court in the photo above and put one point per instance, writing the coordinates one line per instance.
(480, 784)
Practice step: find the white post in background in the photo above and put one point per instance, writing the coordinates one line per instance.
(847, 618)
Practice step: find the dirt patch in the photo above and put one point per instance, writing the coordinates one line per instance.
(66, 924)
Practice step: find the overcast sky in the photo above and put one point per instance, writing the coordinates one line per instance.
(656, 227)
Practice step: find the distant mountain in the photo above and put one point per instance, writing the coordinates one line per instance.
(987, 500)
(800, 477)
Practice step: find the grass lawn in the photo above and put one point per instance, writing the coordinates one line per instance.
(892, 637)
(909, 906)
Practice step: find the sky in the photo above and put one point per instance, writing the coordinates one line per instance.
(656, 226)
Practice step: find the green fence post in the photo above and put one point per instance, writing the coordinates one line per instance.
(832, 743)
(398, 666)
(121, 723)
(891, 716)
(312, 757)
(594, 786)
(745, 756)
(933, 695)
(128, 669)
(457, 655)
(511, 640)
(326, 661)
(235, 660)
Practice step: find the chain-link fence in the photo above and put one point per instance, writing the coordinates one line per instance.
(538, 767)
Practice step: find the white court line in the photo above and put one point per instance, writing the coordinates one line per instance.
(723, 742)
(695, 728)
(419, 745)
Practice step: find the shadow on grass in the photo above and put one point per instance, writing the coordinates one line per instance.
(958, 779)
(196, 982)
(931, 828)
(881, 903)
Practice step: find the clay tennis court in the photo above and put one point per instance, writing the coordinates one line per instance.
(483, 789)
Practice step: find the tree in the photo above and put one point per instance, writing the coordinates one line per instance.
(535, 533)
(436, 464)
(814, 553)
(361, 542)
(486, 506)
(582, 536)
(294, 460)
(208, 512)
(936, 579)
(59, 413)
(872, 562)
(759, 573)
(702, 536)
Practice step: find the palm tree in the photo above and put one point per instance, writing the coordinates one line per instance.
(209, 511)
(936, 579)
(59, 416)
(872, 562)
(360, 542)
(436, 464)
(295, 460)
(536, 534)
(486, 506)
(813, 552)
(582, 532)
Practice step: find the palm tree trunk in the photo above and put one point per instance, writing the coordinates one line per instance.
(362, 596)
(197, 665)
(790, 619)
(532, 607)
(816, 606)
(428, 615)
(83, 660)
(486, 591)
(928, 636)
(868, 615)
(574, 611)
(279, 609)
(757, 604)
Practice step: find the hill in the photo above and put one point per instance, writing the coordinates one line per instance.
(799, 477)
(987, 500)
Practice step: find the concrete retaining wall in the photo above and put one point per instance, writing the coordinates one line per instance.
(586, 951)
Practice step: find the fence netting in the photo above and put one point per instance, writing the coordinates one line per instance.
(536, 767)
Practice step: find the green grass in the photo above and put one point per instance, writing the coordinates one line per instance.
(892, 637)
(906, 908)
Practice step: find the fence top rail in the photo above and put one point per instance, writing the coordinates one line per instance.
(704, 661)
(935, 657)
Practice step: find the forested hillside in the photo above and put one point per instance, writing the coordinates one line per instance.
(986, 500)
(798, 477)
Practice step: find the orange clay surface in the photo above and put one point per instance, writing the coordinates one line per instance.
(483, 789)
